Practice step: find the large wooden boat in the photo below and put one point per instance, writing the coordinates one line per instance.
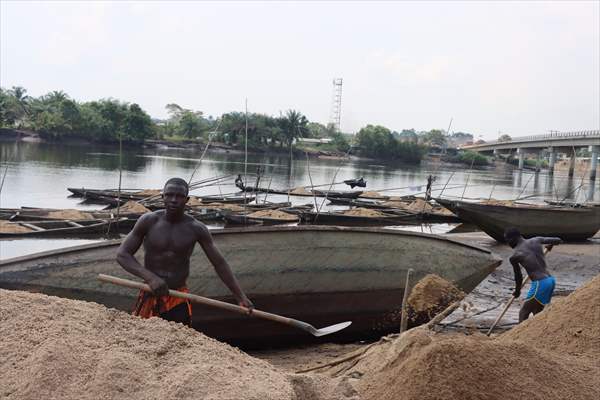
(322, 275)
(567, 223)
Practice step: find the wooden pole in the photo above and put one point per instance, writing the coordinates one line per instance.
(404, 316)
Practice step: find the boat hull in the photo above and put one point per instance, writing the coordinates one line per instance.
(322, 275)
(569, 224)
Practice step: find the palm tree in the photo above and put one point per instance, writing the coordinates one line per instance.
(293, 126)
(21, 102)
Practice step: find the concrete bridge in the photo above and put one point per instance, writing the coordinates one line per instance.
(549, 144)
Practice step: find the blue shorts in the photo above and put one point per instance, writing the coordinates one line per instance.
(541, 290)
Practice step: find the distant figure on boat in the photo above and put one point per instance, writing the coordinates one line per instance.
(360, 182)
(529, 253)
(169, 237)
(240, 183)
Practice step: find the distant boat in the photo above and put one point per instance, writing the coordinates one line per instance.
(322, 275)
(60, 228)
(567, 223)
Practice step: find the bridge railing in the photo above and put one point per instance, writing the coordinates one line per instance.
(534, 138)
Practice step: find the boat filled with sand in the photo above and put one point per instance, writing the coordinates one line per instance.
(318, 274)
(494, 216)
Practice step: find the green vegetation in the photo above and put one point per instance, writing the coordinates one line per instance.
(56, 116)
(466, 157)
(530, 162)
(378, 142)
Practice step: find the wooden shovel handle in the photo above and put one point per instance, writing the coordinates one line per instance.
(203, 300)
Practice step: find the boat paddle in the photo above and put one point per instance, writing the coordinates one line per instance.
(509, 302)
(231, 307)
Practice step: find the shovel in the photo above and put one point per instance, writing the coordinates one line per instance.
(231, 307)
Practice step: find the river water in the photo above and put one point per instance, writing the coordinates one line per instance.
(38, 174)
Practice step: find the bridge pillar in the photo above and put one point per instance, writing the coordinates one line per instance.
(521, 158)
(538, 161)
(551, 161)
(594, 163)
(572, 164)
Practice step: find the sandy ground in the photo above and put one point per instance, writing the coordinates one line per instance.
(572, 264)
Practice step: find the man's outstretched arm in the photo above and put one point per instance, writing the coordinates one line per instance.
(550, 240)
(222, 268)
(514, 260)
(127, 260)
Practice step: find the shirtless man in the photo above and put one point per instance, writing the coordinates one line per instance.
(529, 253)
(169, 237)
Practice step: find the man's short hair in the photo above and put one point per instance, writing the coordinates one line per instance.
(179, 182)
(511, 233)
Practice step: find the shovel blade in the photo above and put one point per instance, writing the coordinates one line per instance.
(331, 329)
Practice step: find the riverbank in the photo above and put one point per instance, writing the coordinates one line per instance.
(178, 143)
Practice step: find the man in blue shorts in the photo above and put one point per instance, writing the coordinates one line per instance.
(529, 253)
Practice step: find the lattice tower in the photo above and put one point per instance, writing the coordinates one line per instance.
(336, 104)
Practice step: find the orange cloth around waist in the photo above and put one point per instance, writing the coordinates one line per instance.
(149, 305)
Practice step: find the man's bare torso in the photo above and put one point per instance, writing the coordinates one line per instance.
(168, 247)
(530, 254)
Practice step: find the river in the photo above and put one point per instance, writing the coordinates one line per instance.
(38, 174)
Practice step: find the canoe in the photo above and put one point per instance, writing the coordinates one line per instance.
(60, 228)
(345, 194)
(322, 275)
(250, 219)
(567, 223)
(339, 219)
(226, 199)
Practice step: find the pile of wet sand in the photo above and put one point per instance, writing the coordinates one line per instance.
(301, 190)
(222, 206)
(274, 214)
(133, 207)
(373, 195)
(65, 349)
(431, 295)
(552, 356)
(13, 227)
(149, 192)
(365, 212)
(70, 214)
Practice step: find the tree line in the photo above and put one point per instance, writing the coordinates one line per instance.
(56, 116)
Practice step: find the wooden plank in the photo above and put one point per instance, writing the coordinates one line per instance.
(74, 224)
(30, 226)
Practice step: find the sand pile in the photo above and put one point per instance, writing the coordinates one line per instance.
(222, 206)
(274, 214)
(149, 192)
(541, 359)
(301, 190)
(430, 296)
(70, 214)
(133, 207)
(365, 212)
(12, 227)
(419, 205)
(195, 201)
(373, 195)
(495, 202)
(55, 348)
(569, 325)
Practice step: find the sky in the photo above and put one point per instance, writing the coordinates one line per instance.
(508, 67)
